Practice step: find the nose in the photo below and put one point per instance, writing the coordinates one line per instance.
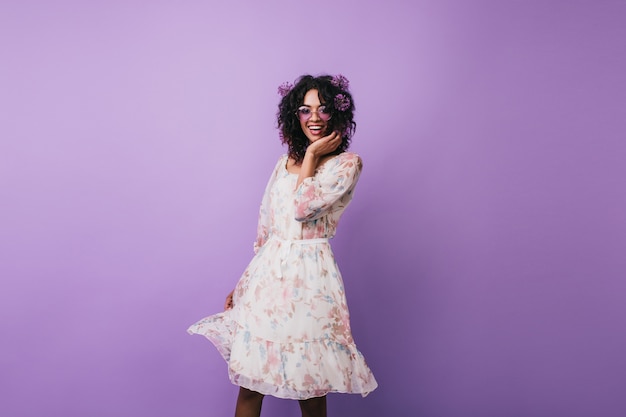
(315, 115)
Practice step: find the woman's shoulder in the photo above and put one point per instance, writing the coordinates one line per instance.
(348, 158)
(344, 161)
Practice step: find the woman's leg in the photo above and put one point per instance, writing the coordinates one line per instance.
(248, 403)
(313, 407)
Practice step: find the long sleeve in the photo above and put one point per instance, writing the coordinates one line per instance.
(264, 223)
(321, 193)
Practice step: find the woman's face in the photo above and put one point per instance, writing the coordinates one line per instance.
(313, 116)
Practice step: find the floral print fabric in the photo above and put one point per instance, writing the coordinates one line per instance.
(288, 334)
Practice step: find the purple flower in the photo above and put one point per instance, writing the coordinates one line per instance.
(284, 88)
(340, 81)
(342, 103)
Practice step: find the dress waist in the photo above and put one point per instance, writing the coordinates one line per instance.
(300, 241)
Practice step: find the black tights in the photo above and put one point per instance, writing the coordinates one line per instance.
(249, 405)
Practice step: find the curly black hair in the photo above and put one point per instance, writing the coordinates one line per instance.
(291, 133)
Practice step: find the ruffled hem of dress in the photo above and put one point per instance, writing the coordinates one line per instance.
(298, 370)
(288, 394)
(216, 332)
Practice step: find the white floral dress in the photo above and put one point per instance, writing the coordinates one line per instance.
(288, 334)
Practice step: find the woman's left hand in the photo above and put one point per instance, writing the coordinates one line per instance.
(228, 303)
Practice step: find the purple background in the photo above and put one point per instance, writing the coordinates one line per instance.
(483, 255)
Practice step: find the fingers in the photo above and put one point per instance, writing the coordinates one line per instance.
(228, 304)
(326, 144)
(334, 136)
(334, 141)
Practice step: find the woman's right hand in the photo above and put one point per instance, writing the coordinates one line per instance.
(316, 154)
(324, 146)
(228, 304)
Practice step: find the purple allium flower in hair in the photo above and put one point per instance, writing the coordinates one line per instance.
(342, 103)
(284, 88)
(340, 81)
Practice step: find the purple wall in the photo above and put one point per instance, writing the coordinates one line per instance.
(483, 254)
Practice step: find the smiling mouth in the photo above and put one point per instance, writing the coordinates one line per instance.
(316, 129)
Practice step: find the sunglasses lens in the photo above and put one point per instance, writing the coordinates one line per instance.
(323, 113)
(304, 114)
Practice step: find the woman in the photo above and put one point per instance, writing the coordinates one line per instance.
(285, 330)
